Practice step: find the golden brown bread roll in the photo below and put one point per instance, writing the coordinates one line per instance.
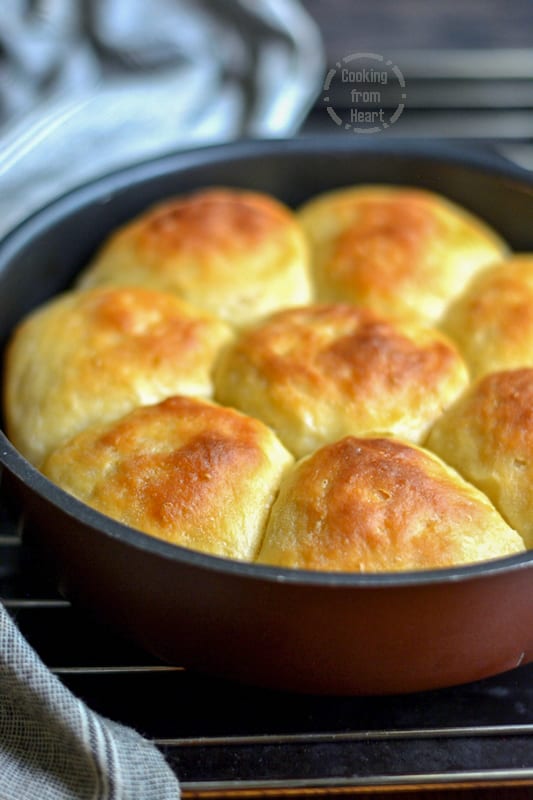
(488, 436)
(492, 321)
(94, 355)
(320, 372)
(380, 505)
(234, 253)
(400, 250)
(183, 470)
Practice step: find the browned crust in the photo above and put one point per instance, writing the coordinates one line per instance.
(342, 369)
(184, 470)
(378, 504)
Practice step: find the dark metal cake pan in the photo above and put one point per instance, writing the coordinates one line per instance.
(302, 631)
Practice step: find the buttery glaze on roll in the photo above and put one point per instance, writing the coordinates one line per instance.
(235, 253)
(492, 321)
(400, 250)
(488, 436)
(321, 372)
(183, 470)
(94, 355)
(381, 505)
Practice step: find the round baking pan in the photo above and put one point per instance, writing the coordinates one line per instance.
(287, 629)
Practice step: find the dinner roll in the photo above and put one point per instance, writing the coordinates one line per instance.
(492, 321)
(184, 470)
(400, 250)
(94, 355)
(488, 436)
(381, 505)
(235, 253)
(320, 372)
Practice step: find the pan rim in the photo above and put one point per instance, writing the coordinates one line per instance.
(70, 506)
(98, 189)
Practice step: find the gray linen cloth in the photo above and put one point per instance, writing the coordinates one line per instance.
(86, 87)
(52, 746)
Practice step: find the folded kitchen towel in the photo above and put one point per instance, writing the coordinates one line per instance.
(52, 747)
(86, 88)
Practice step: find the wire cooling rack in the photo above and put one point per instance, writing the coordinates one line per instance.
(224, 739)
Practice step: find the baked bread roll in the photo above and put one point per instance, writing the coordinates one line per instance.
(492, 321)
(92, 356)
(399, 250)
(234, 253)
(488, 436)
(320, 372)
(380, 505)
(183, 470)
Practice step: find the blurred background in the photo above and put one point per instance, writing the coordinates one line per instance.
(90, 85)
(468, 66)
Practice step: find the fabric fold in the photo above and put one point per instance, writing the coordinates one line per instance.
(53, 747)
(86, 88)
